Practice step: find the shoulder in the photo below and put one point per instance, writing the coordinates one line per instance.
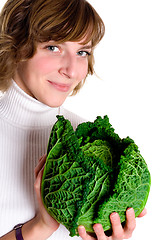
(72, 117)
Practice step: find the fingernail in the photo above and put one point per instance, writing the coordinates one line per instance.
(114, 215)
(130, 211)
(81, 230)
(80, 227)
(97, 226)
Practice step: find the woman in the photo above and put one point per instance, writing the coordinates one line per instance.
(46, 51)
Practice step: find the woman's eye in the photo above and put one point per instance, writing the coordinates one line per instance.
(83, 53)
(53, 48)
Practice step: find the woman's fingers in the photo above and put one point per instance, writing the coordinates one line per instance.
(99, 232)
(118, 231)
(143, 213)
(130, 223)
(83, 234)
(98, 229)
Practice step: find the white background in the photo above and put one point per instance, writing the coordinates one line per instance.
(127, 87)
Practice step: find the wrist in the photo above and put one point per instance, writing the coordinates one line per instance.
(36, 229)
(18, 232)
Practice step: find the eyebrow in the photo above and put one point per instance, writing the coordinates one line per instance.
(87, 46)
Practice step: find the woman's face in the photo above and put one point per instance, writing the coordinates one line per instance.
(54, 71)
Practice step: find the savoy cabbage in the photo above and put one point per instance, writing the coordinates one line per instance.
(90, 173)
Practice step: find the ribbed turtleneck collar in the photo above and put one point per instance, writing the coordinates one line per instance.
(20, 109)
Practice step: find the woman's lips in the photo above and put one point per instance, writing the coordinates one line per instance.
(60, 86)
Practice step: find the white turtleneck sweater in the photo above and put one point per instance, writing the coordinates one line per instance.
(25, 126)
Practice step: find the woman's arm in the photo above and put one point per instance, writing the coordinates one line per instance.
(34, 229)
(42, 225)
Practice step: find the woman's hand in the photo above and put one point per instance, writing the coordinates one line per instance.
(118, 232)
(43, 217)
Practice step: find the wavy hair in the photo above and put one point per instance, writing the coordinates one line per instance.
(24, 23)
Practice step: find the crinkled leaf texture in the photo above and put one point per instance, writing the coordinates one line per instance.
(131, 189)
(90, 173)
(66, 176)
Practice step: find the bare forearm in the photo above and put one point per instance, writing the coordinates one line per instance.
(34, 229)
(9, 236)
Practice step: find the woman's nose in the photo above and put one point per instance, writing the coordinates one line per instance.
(68, 66)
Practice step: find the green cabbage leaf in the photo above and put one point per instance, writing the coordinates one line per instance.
(90, 173)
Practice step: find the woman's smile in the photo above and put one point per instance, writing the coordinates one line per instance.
(62, 87)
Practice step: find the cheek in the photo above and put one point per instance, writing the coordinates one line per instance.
(83, 70)
(43, 66)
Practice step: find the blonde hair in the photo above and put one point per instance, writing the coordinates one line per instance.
(24, 23)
